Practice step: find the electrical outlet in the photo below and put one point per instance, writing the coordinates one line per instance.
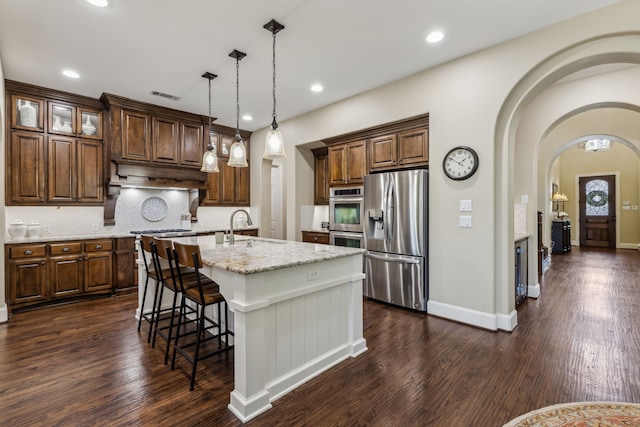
(634, 208)
(313, 275)
(46, 228)
(95, 227)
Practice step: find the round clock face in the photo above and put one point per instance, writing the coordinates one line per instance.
(460, 163)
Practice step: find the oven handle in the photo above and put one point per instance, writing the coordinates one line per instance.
(358, 236)
(356, 199)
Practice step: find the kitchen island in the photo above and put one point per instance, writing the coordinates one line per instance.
(296, 312)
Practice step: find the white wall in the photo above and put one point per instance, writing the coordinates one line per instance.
(477, 100)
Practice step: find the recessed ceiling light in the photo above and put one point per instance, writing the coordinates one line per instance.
(247, 118)
(317, 88)
(435, 36)
(99, 3)
(71, 73)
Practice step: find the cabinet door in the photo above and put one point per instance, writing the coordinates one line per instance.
(26, 167)
(27, 281)
(90, 123)
(61, 119)
(98, 271)
(321, 183)
(383, 152)
(338, 164)
(65, 275)
(61, 167)
(90, 172)
(27, 113)
(227, 183)
(165, 140)
(356, 162)
(191, 144)
(136, 135)
(413, 148)
(212, 194)
(125, 259)
(242, 186)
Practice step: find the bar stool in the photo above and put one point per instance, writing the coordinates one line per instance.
(145, 245)
(205, 294)
(162, 249)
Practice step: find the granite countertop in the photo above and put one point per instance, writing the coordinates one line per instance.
(47, 238)
(264, 254)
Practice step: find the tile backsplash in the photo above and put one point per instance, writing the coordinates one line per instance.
(82, 220)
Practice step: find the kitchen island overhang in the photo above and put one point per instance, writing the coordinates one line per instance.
(296, 310)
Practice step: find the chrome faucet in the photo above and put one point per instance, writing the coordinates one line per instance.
(249, 222)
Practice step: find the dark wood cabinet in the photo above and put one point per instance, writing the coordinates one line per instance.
(46, 273)
(399, 150)
(347, 163)
(125, 267)
(191, 144)
(315, 237)
(383, 152)
(26, 274)
(74, 170)
(26, 168)
(136, 136)
(60, 161)
(165, 140)
(561, 236)
(321, 176)
(65, 269)
(230, 186)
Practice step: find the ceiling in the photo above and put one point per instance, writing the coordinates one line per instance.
(134, 47)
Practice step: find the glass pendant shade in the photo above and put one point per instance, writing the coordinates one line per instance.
(274, 146)
(238, 154)
(210, 161)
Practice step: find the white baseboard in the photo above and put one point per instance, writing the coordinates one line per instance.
(629, 246)
(533, 291)
(4, 314)
(473, 317)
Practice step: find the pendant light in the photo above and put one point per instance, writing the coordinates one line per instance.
(238, 152)
(209, 159)
(274, 142)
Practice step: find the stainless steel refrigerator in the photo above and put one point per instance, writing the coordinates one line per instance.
(396, 232)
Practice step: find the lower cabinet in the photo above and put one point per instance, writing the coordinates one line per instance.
(315, 237)
(46, 273)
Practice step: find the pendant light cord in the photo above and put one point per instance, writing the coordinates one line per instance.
(274, 77)
(237, 98)
(209, 146)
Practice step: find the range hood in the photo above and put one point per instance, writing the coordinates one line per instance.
(156, 176)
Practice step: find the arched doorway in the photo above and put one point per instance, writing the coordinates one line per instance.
(518, 143)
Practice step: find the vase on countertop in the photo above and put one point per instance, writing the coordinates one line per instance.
(88, 128)
(28, 114)
(18, 229)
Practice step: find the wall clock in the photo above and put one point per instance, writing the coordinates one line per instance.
(460, 163)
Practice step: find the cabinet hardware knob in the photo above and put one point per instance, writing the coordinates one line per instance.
(98, 246)
(28, 252)
(42, 262)
(65, 249)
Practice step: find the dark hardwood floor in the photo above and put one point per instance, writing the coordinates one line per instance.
(85, 364)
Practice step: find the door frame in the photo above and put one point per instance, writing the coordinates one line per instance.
(575, 241)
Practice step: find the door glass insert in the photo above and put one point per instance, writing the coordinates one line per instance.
(597, 195)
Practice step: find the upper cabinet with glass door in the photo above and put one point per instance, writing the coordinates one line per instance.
(27, 113)
(66, 119)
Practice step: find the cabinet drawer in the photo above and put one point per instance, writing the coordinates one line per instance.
(66, 248)
(27, 251)
(311, 237)
(98, 245)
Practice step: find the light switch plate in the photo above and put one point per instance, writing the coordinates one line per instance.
(524, 199)
(466, 206)
(465, 221)
(626, 208)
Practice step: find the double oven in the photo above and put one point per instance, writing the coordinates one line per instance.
(346, 216)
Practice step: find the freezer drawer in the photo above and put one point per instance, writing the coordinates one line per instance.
(396, 279)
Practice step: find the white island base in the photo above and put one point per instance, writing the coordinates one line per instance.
(292, 320)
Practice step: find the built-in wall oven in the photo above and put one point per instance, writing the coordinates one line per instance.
(346, 216)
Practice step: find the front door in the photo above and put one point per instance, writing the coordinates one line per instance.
(598, 211)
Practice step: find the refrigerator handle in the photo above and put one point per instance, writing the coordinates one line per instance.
(391, 218)
(394, 258)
